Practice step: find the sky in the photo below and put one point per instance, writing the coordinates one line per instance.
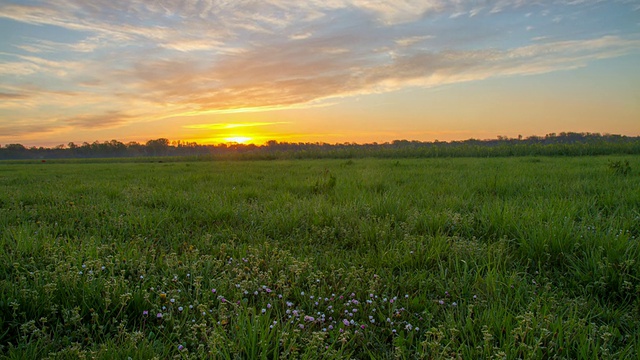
(333, 71)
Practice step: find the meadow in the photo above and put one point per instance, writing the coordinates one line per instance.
(458, 258)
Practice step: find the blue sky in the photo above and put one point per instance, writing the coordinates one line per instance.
(332, 71)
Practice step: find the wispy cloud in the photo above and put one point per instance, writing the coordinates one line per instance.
(92, 121)
(226, 126)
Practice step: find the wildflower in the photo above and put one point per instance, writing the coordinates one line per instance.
(180, 347)
(145, 312)
(441, 302)
(173, 300)
(330, 327)
(454, 304)
(475, 297)
(302, 293)
(263, 310)
(301, 326)
(180, 308)
(159, 316)
(345, 322)
(308, 318)
(163, 296)
(362, 327)
(213, 291)
(268, 306)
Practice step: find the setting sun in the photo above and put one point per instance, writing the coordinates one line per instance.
(238, 139)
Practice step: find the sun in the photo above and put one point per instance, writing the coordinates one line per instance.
(238, 139)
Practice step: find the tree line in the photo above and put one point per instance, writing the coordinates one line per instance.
(565, 143)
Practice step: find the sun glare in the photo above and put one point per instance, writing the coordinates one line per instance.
(238, 139)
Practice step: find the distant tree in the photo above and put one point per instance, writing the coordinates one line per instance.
(15, 147)
(158, 147)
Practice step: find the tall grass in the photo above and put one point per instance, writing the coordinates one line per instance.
(400, 258)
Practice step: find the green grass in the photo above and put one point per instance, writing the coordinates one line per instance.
(524, 257)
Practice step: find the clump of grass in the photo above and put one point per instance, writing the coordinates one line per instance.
(620, 167)
(325, 183)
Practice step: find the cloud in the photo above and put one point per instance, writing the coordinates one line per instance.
(94, 121)
(11, 96)
(225, 126)
(86, 45)
(26, 126)
(282, 76)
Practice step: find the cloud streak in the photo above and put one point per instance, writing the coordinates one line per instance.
(226, 126)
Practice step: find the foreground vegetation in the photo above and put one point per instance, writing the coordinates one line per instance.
(520, 257)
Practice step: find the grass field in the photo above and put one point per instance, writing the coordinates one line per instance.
(523, 257)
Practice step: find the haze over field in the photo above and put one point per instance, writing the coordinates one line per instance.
(331, 71)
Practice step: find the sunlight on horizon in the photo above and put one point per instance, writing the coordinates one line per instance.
(238, 139)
